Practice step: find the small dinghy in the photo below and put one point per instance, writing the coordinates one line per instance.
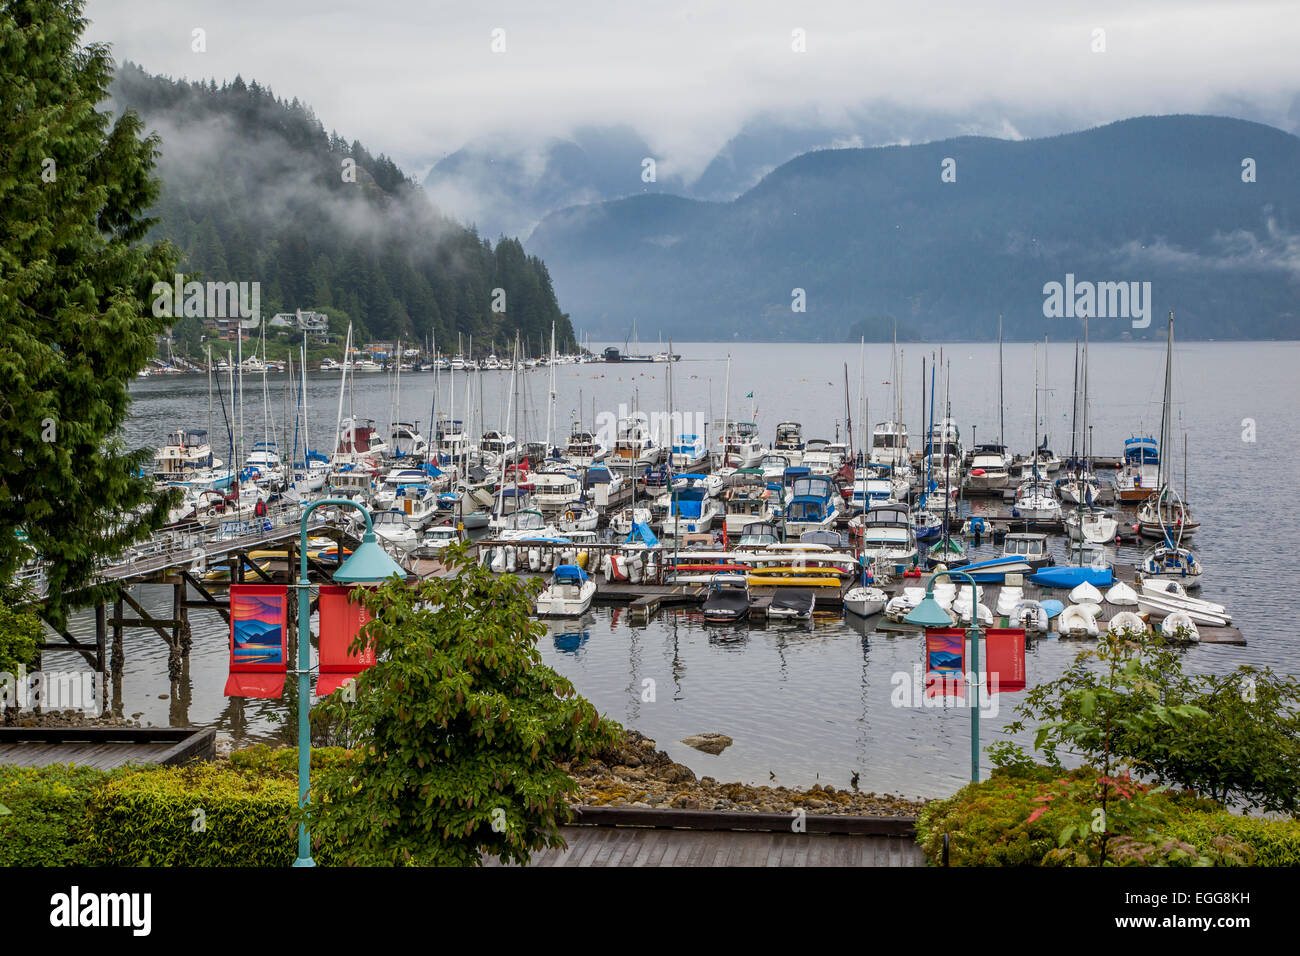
(1078, 620)
(1180, 627)
(1030, 615)
(793, 603)
(961, 608)
(728, 599)
(1085, 593)
(865, 601)
(1122, 595)
(903, 604)
(568, 595)
(1126, 621)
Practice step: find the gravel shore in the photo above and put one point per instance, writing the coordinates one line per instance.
(636, 774)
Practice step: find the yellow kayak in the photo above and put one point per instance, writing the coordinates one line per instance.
(792, 581)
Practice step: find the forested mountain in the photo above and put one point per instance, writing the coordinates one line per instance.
(254, 189)
(870, 235)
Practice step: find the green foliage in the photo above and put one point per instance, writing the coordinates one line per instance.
(462, 728)
(75, 320)
(269, 202)
(47, 808)
(1127, 703)
(198, 815)
(271, 761)
(20, 635)
(1041, 816)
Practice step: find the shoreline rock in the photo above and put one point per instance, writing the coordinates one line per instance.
(634, 773)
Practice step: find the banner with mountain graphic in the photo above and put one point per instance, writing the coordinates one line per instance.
(259, 640)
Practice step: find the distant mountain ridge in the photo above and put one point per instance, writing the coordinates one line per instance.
(876, 234)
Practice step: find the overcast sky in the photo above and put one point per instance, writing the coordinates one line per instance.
(418, 79)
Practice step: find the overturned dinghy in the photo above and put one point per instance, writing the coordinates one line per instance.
(1122, 595)
(1085, 593)
(1009, 598)
(792, 603)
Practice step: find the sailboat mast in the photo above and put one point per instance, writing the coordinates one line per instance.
(1002, 423)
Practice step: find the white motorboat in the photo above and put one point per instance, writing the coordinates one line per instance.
(889, 444)
(747, 499)
(1034, 549)
(887, 535)
(436, 540)
(392, 528)
(789, 442)
(865, 601)
(569, 593)
(1092, 525)
(989, 471)
(554, 491)
(577, 516)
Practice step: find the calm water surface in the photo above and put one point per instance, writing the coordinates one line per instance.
(812, 702)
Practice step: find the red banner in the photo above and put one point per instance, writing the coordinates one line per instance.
(340, 622)
(259, 640)
(1004, 666)
(945, 660)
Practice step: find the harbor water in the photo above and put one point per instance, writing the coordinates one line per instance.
(809, 702)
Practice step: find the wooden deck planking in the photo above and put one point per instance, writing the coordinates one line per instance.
(653, 847)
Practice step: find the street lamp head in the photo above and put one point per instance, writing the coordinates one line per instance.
(368, 564)
(929, 613)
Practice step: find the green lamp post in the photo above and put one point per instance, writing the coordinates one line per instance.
(930, 614)
(369, 563)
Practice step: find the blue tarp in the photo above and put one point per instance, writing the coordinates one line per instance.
(641, 533)
(570, 572)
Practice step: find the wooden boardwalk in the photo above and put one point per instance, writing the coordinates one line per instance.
(647, 846)
(105, 747)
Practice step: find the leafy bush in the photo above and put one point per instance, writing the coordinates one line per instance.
(1042, 816)
(463, 729)
(20, 635)
(198, 815)
(47, 808)
(1126, 703)
(282, 761)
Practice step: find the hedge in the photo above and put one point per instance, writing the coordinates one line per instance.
(1005, 821)
(199, 815)
(47, 811)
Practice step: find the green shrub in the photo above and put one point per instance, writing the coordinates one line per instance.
(1271, 842)
(1032, 816)
(282, 761)
(20, 635)
(199, 815)
(47, 808)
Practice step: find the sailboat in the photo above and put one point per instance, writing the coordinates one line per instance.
(1165, 516)
(1086, 523)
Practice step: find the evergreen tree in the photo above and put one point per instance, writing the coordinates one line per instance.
(75, 299)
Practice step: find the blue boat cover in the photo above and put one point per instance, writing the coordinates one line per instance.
(569, 572)
(1072, 577)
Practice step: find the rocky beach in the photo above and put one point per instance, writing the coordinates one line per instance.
(637, 774)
